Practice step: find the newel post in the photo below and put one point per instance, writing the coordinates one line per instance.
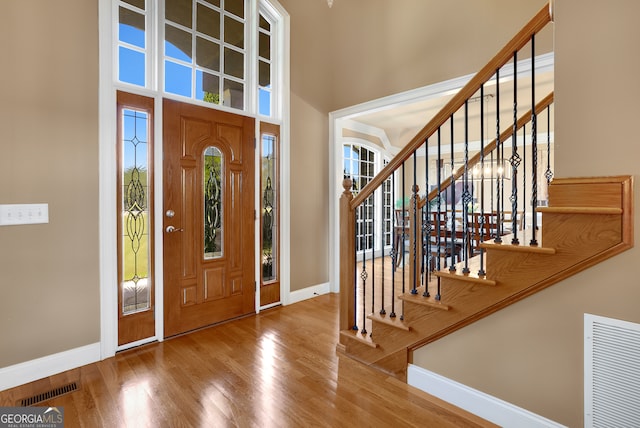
(347, 257)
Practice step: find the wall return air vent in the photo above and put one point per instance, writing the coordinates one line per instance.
(612, 372)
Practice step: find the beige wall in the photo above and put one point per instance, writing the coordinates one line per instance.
(357, 51)
(361, 50)
(381, 47)
(310, 100)
(49, 284)
(531, 354)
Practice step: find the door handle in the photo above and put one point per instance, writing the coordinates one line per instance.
(171, 229)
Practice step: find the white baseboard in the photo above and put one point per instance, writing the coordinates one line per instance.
(487, 407)
(308, 293)
(50, 365)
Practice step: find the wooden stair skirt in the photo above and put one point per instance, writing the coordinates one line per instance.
(588, 220)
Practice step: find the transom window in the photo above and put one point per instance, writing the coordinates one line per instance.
(203, 51)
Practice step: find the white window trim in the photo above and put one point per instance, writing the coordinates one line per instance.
(380, 155)
(107, 24)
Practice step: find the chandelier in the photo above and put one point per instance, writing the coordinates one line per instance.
(330, 3)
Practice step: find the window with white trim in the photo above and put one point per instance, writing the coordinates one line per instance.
(213, 51)
(361, 164)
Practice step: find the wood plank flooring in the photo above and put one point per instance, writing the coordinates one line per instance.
(275, 369)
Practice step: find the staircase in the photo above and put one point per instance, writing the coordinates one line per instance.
(389, 309)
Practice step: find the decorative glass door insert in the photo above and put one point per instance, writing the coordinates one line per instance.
(213, 186)
(135, 218)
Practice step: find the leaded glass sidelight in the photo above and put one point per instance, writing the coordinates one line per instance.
(134, 203)
(213, 207)
(269, 208)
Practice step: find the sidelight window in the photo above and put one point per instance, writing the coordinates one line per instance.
(135, 115)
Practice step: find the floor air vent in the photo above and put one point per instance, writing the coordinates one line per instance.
(30, 401)
(612, 372)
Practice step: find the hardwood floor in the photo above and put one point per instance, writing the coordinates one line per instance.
(275, 369)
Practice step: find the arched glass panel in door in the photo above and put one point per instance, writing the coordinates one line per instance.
(213, 202)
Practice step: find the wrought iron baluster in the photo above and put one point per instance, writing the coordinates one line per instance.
(481, 220)
(548, 173)
(363, 274)
(426, 230)
(414, 227)
(466, 195)
(438, 212)
(515, 158)
(523, 220)
(382, 242)
(394, 250)
(373, 251)
(355, 271)
(452, 186)
(534, 147)
(404, 233)
(499, 166)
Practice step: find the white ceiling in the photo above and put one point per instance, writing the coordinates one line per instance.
(401, 120)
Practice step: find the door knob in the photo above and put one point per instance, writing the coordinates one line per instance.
(172, 229)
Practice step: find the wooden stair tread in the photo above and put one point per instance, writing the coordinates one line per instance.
(395, 322)
(419, 299)
(359, 337)
(524, 237)
(580, 210)
(522, 248)
(467, 277)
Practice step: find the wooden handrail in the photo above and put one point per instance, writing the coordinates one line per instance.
(523, 37)
(506, 134)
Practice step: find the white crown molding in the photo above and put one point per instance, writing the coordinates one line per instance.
(543, 63)
(374, 132)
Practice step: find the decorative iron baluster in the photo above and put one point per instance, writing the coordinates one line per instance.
(452, 186)
(523, 220)
(355, 264)
(373, 250)
(414, 208)
(467, 198)
(534, 147)
(394, 251)
(515, 158)
(363, 274)
(499, 161)
(382, 236)
(548, 173)
(426, 229)
(481, 271)
(438, 212)
(404, 232)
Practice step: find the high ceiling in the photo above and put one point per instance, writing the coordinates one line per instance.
(401, 120)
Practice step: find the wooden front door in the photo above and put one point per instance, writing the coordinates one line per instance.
(208, 170)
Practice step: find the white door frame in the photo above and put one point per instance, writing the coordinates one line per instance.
(107, 180)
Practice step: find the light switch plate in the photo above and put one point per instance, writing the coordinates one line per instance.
(24, 214)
